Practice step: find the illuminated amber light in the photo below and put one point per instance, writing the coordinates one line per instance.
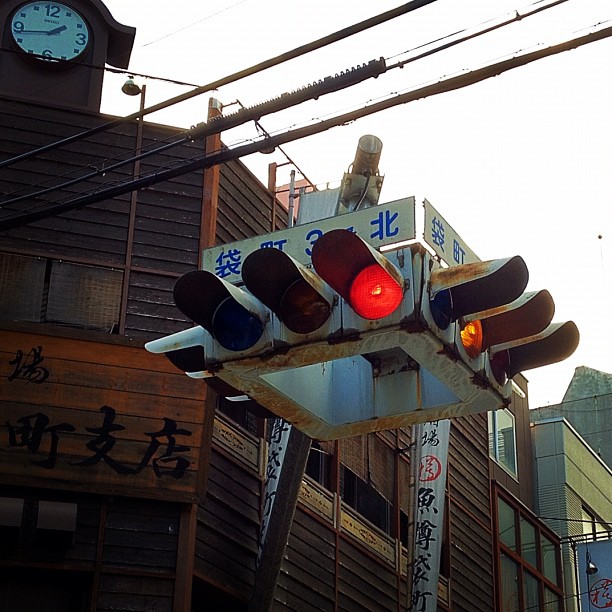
(471, 338)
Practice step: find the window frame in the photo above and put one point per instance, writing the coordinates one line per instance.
(524, 566)
(494, 447)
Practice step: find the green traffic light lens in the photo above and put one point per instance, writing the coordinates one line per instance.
(303, 309)
(374, 293)
(441, 307)
(234, 327)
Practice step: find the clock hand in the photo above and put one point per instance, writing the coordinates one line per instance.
(47, 32)
(56, 30)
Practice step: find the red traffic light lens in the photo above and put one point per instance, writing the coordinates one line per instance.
(303, 309)
(500, 364)
(374, 293)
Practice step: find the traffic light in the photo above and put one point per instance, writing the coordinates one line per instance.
(285, 305)
(369, 283)
(482, 316)
(555, 343)
(232, 317)
(300, 300)
(230, 323)
(351, 340)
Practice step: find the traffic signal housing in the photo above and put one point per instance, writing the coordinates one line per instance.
(300, 300)
(369, 283)
(481, 314)
(354, 341)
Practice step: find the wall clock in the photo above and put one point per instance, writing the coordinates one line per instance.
(49, 31)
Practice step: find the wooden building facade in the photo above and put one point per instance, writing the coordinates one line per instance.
(123, 484)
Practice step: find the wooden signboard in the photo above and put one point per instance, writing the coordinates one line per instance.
(104, 417)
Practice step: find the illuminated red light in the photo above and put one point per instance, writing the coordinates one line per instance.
(374, 293)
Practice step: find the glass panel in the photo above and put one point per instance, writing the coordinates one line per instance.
(549, 559)
(507, 524)
(528, 543)
(506, 446)
(532, 596)
(588, 522)
(84, 296)
(509, 585)
(22, 285)
(551, 601)
(492, 449)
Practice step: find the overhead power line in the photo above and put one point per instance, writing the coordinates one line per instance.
(269, 63)
(286, 100)
(206, 161)
(222, 123)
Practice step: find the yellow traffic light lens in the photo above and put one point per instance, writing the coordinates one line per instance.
(303, 309)
(472, 338)
(374, 293)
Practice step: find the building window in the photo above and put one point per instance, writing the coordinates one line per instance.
(594, 528)
(529, 576)
(59, 292)
(36, 527)
(317, 466)
(502, 439)
(365, 499)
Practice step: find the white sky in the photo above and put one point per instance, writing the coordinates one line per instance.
(518, 164)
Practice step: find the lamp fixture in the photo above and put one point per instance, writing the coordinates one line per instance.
(130, 88)
(591, 567)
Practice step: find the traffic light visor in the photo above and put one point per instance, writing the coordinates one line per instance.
(290, 290)
(474, 287)
(368, 281)
(556, 343)
(530, 314)
(230, 315)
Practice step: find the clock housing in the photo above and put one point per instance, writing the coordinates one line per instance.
(50, 32)
(54, 53)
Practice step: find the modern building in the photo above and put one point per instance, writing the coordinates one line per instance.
(125, 485)
(573, 480)
(587, 406)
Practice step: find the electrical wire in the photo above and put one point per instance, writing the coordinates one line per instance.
(206, 161)
(194, 23)
(483, 28)
(100, 171)
(254, 69)
(205, 129)
(222, 123)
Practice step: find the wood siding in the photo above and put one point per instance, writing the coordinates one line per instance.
(105, 417)
(161, 241)
(128, 524)
(471, 540)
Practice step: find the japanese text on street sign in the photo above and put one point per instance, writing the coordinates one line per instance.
(444, 240)
(432, 457)
(379, 226)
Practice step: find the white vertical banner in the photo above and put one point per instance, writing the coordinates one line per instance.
(432, 459)
(279, 439)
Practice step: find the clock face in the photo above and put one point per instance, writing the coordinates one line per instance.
(53, 31)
